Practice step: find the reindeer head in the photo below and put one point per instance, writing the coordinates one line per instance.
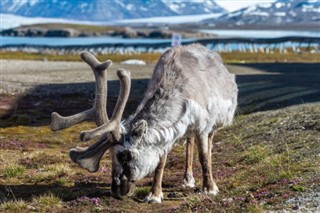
(110, 131)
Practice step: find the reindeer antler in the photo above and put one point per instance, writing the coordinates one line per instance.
(89, 157)
(114, 125)
(98, 112)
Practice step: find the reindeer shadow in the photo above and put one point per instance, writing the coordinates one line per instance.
(35, 108)
(280, 85)
(27, 192)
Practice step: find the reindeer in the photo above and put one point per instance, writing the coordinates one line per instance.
(190, 95)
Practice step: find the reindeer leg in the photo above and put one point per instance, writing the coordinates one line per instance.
(204, 149)
(156, 195)
(188, 180)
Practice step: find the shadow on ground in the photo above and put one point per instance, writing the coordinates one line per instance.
(279, 85)
(17, 192)
(35, 108)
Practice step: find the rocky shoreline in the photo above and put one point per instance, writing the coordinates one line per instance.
(47, 30)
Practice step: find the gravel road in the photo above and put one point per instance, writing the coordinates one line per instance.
(19, 77)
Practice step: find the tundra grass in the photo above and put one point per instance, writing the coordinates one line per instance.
(148, 57)
(81, 27)
(233, 57)
(259, 162)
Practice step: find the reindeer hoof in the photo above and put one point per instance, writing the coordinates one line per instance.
(151, 198)
(213, 191)
(188, 182)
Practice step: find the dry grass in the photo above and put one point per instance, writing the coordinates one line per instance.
(148, 57)
(234, 57)
(47, 202)
(80, 27)
(14, 206)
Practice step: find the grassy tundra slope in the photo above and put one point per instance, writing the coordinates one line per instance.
(261, 161)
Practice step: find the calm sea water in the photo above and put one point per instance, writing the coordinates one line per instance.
(4, 40)
(111, 40)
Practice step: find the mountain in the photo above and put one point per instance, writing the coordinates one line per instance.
(281, 12)
(106, 10)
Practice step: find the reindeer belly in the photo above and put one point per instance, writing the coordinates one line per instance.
(206, 118)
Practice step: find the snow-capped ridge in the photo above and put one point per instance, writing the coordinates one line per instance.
(279, 12)
(101, 10)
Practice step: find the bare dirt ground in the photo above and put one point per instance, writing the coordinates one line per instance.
(262, 86)
(266, 161)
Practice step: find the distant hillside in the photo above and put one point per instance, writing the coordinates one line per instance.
(281, 12)
(102, 10)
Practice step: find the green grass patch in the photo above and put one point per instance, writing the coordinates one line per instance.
(298, 188)
(12, 171)
(255, 154)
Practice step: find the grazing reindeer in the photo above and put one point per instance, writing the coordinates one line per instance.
(191, 93)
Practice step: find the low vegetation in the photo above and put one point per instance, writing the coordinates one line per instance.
(81, 27)
(260, 161)
(233, 57)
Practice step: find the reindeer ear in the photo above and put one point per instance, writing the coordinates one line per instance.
(139, 128)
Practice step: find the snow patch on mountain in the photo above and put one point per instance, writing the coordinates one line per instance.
(102, 10)
(280, 12)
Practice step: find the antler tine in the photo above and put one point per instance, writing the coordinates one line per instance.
(98, 112)
(93, 62)
(89, 157)
(125, 81)
(60, 122)
(114, 125)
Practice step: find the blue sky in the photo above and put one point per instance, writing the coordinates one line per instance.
(232, 5)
